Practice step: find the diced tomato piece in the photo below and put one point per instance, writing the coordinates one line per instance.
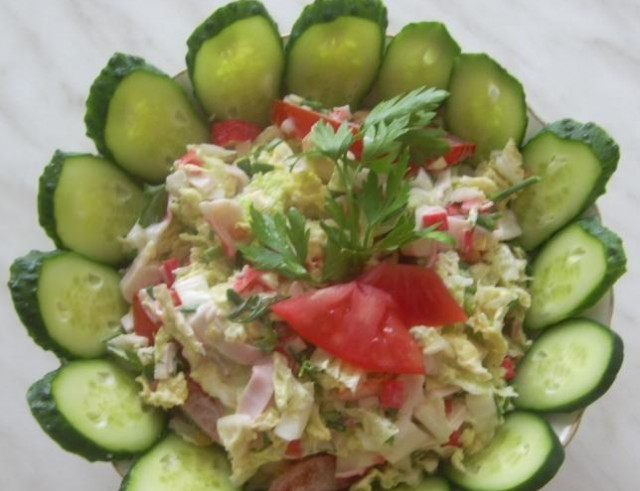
(454, 209)
(191, 157)
(436, 216)
(296, 122)
(232, 131)
(168, 268)
(143, 324)
(391, 394)
(294, 449)
(454, 438)
(420, 293)
(509, 368)
(249, 279)
(467, 241)
(448, 406)
(459, 150)
(177, 301)
(357, 323)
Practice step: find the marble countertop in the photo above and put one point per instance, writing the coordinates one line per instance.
(575, 58)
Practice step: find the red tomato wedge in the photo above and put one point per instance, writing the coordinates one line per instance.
(421, 295)
(233, 131)
(143, 325)
(297, 121)
(357, 323)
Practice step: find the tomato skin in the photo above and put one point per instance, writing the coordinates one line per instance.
(250, 279)
(391, 394)
(509, 368)
(421, 295)
(357, 323)
(168, 268)
(232, 131)
(143, 325)
(459, 150)
(298, 121)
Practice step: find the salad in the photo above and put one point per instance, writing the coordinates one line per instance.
(338, 266)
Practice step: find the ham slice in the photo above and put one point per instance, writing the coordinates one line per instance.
(223, 216)
(203, 410)
(259, 390)
(316, 473)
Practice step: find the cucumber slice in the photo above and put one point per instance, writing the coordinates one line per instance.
(141, 118)
(176, 465)
(421, 54)
(572, 272)
(69, 304)
(486, 105)
(87, 204)
(335, 51)
(92, 408)
(524, 455)
(574, 162)
(567, 368)
(427, 484)
(236, 62)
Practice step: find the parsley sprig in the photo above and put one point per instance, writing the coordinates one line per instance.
(281, 243)
(371, 216)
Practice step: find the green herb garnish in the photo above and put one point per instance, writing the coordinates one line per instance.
(281, 243)
(251, 308)
(372, 217)
(506, 193)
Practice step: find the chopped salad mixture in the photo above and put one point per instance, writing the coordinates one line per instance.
(374, 284)
(283, 330)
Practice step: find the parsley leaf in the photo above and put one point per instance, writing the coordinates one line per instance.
(249, 309)
(419, 106)
(329, 142)
(281, 243)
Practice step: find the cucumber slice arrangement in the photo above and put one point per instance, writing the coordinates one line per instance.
(486, 105)
(523, 456)
(422, 53)
(141, 118)
(235, 62)
(176, 465)
(573, 270)
(335, 50)
(92, 408)
(69, 304)
(574, 162)
(88, 205)
(568, 367)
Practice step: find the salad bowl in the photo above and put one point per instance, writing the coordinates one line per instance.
(564, 425)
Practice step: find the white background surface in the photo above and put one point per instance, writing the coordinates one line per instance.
(578, 58)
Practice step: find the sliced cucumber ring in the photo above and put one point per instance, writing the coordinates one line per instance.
(574, 162)
(236, 62)
(487, 104)
(335, 50)
(524, 455)
(141, 118)
(88, 205)
(573, 270)
(568, 367)
(69, 304)
(176, 465)
(92, 408)
(421, 54)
